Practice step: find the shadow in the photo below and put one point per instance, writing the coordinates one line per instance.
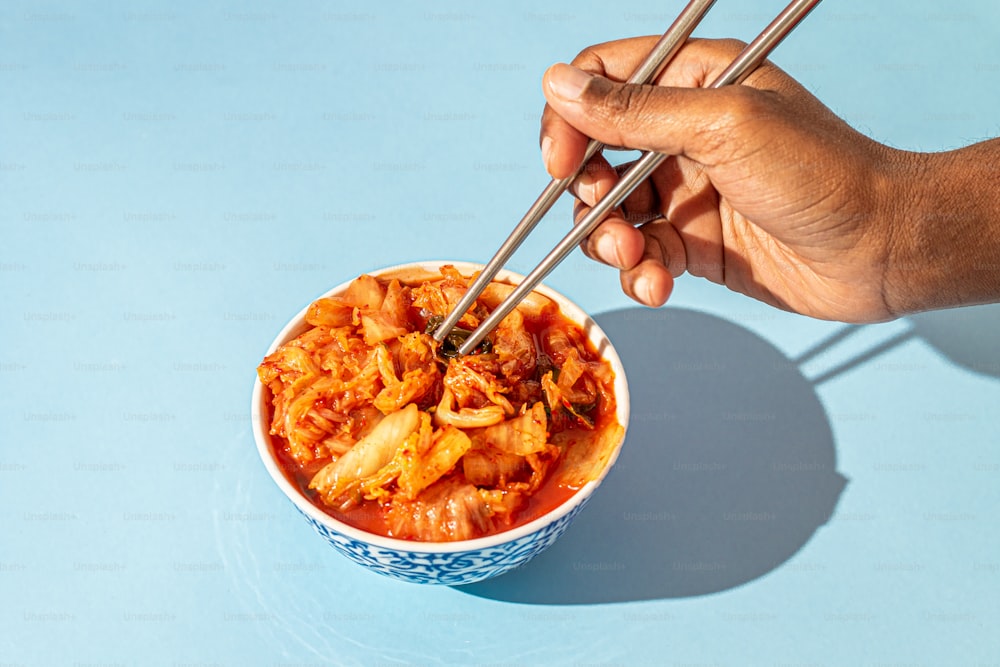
(728, 469)
(968, 337)
(864, 357)
(830, 341)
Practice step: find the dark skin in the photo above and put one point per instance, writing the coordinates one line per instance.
(771, 194)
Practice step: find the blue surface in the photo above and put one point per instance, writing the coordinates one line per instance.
(178, 179)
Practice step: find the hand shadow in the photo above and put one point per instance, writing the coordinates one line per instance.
(728, 469)
(966, 337)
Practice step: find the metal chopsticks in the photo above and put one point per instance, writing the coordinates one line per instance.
(744, 64)
(662, 52)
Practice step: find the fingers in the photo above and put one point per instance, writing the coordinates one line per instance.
(599, 177)
(697, 64)
(594, 181)
(691, 203)
(615, 242)
(664, 245)
(678, 192)
(562, 145)
(649, 283)
(649, 257)
(664, 258)
(676, 121)
(677, 117)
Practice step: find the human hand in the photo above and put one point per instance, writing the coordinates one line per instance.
(770, 193)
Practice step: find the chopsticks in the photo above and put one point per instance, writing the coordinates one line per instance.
(662, 52)
(744, 64)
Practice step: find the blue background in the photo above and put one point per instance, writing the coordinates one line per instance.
(178, 179)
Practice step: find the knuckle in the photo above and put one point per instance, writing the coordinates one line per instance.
(742, 108)
(755, 107)
(744, 105)
(730, 47)
(589, 61)
(626, 106)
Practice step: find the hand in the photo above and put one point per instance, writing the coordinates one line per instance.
(770, 193)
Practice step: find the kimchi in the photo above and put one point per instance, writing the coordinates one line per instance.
(388, 430)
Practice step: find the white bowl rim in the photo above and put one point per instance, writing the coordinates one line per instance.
(261, 428)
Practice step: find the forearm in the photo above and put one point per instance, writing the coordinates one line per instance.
(946, 229)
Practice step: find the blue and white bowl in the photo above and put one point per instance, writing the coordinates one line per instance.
(450, 563)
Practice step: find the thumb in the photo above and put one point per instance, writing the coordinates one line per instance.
(677, 121)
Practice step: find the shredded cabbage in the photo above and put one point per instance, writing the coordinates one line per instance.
(376, 421)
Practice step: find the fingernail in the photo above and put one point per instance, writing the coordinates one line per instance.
(546, 150)
(607, 250)
(643, 289)
(568, 81)
(586, 189)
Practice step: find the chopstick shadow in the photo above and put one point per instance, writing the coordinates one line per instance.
(728, 469)
(967, 337)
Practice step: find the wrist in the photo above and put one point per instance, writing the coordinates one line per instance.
(943, 213)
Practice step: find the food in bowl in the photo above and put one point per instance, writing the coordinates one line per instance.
(389, 431)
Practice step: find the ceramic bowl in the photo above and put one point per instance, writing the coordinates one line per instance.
(451, 563)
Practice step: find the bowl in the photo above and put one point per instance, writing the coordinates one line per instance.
(449, 563)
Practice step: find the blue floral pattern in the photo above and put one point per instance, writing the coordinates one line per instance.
(459, 567)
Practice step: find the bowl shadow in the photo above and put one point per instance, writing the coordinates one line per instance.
(728, 469)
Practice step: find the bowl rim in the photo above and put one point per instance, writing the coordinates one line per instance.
(262, 437)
